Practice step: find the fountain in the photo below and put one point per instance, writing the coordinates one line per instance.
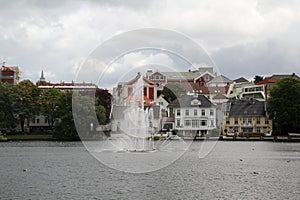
(137, 126)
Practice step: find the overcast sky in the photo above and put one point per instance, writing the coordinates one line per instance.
(243, 37)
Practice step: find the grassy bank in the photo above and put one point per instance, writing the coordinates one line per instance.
(29, 137)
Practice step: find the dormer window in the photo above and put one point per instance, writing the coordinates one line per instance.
(195, 102)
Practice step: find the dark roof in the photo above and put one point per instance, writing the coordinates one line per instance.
(220, 96)
(241, 80)
(280, 76)
(247, 108)
(186, 100)
(194, 87)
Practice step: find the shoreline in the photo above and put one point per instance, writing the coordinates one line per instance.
(13, 138)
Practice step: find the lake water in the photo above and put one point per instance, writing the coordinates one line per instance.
(233, 170)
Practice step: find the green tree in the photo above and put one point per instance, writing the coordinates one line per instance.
(76, 114)
(7, 120)
(284, 105)
(25, 98)
(50, 105)
(65, 128)
(173, 91)
(103, 100)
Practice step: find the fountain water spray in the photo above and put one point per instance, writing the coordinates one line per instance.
(138, 120)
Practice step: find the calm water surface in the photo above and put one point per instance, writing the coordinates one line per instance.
(233, 170)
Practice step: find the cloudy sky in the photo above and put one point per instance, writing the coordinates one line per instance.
(243, 37)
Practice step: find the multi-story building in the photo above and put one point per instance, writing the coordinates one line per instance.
(194, 115)
(269, 82)
(10, 75)
(246, 90)
(64, 86)
(246, 116)
(199, 77)
(123, 93)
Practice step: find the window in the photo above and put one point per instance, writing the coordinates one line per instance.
(249, 121)
(177, 112)
(45, 120)
(161, 103)
(203, 122)
(266, 120)
(195, 112)
(258, 129)
(187, 123)
(195, 123)
(211, 112)
(156, 77)
(203, 112)
(212, 123)
(187, 112)
(244, 120)
(236, 129)
(236, 120)
(37, 121)
(195, 102)
(206, 78)
(178, 122)
(258, 120)
(227, 120)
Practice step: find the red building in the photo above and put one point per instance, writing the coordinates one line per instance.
(10, 75)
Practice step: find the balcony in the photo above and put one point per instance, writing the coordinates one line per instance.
(246, 125)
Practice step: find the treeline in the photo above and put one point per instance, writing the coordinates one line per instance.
(20, 104)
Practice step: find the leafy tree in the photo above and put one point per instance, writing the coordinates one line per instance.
(103, 99)
(50, 105)
(76, 114)
(173, 91)
(284, 105)
(7, 120)
(258, 79)
(101, 114)
(25, 98)
(65, 128)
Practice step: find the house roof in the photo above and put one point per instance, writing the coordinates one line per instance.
(181, 75)
(136, 78)
(247, 108)
(280, 76)
(274, 78)
(219, 96)
(240, 80)
(220, 79)
(194, 87)
(186, 100)
(10, 69)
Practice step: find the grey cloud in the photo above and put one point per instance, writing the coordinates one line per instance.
(255, 59)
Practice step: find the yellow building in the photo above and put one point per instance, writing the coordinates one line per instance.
(246, 116)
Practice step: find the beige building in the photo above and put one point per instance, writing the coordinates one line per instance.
(246, 116)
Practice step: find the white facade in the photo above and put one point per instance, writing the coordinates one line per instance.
(194, 115)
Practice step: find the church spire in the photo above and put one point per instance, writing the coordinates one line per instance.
(42, 78)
